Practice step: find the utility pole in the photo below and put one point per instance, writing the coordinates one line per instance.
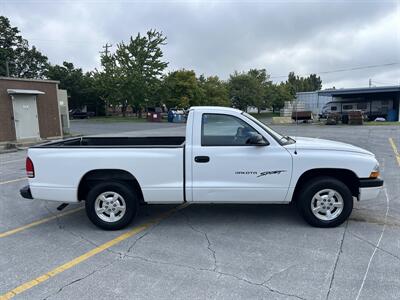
(370, 82)
(105, 52)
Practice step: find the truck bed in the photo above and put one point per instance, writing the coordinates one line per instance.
(157, 163)
(118, 142)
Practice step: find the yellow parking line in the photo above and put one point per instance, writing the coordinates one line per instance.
(14, 180)
(396, 152)
(38, 222)
(30, 284)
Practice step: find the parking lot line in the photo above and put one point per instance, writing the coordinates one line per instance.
(30, 284)
(396, 152)
(38, 222)
(14, 180)
(11, 161)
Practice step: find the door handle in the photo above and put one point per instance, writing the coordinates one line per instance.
(202, 159)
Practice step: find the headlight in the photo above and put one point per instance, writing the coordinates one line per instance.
(375, 171)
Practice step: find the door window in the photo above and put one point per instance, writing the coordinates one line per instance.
(225, 130)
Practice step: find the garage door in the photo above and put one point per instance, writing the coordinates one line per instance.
(25, 117)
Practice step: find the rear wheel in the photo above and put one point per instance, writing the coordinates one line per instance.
(325, 202)
(111, 205)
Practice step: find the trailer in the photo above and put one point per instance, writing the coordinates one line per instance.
(372, 109)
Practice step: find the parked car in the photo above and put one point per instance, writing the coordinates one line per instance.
(78, 114)
(227, 156)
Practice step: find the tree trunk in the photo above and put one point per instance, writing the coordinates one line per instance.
(124, 107)
(139, 112)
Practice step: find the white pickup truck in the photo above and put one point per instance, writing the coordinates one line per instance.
(227, 156)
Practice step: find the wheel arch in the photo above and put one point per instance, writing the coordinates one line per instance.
(93, 177)
(348, 177)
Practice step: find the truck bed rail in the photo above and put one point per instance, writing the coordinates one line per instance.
(118, 142)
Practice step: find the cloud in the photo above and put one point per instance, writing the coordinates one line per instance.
(218, 37)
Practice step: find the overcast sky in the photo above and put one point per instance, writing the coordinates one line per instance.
(219, 37)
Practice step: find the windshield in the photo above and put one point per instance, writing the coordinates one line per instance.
(281, 139)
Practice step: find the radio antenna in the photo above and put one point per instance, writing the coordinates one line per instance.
(297, 124)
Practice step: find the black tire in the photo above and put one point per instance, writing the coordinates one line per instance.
(311, 188)
(128, 197)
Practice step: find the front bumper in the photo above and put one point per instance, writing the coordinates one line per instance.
(26, 192)
(370, 188)
(370, 182)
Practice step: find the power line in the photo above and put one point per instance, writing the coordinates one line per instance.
(344, 70)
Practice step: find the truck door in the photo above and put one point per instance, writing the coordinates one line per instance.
(227, 169)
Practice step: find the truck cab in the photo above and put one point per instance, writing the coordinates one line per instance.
(229, 155)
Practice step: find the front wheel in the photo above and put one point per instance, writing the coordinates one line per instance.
(325, 202)
(111, 205)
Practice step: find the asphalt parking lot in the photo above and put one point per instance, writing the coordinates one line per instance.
(204, 251)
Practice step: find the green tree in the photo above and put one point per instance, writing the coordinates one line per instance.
(244, 90)
(108, 82)
(91, 96)
(181, 89)
(277, 95)
(261, 92)
(304, 84)
(80, 87)
(16, 57)
(134, 70)
(214, 92)
(71, 79)
(314, 82)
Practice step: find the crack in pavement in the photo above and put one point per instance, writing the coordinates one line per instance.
(58, 221)
(123, 255)
(337, 260)
(279, 272)
(63, 227)
(131, 247)
(373, 245)
(77, 235)
(78, 280)
(209, 247)
(220, 273)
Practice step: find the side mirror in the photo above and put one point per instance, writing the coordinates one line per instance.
(257, 140)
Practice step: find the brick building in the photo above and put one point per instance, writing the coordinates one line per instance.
(29, 110)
